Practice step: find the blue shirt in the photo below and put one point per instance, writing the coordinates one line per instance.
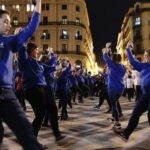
(115, 76)
(144, 69)
(8, 45)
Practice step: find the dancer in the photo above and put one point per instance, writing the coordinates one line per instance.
(143, 104)
(10, 109)
(115, 82)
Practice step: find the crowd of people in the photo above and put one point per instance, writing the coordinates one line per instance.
(41, 78)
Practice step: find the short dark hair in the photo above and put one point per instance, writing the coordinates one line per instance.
(2, 12)
(31, 47)
(116, 58)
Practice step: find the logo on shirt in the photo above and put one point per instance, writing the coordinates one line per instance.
(1, 45)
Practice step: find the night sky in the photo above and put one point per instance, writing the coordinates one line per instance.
(106, 18)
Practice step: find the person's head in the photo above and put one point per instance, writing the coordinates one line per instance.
(5, 23)
(147, 55)
(116, 58)
(32, 50)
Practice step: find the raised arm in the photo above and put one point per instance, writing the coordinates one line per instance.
(136, 64)
(27, 31)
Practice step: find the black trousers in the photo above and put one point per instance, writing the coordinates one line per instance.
(13, 115)
(40, 100)
(103, 94)
(142, 105)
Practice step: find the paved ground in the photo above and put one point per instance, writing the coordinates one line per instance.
(88, 129)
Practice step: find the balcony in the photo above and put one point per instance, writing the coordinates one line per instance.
(64, 37)
(78, 37)
(59, 23)
(71, 52)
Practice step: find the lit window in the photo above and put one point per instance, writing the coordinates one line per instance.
(15, 21)
(16, 7)
(77, 20)
(30, 7)
(45, 35)
(64, 19)
(65, 32)
(77, 34)
(2, 7)
(137, 21)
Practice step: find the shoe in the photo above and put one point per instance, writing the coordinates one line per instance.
(121, 135)
(60, 137)
(64, 117)
(111, 119)
(117, 125)
(96, 107)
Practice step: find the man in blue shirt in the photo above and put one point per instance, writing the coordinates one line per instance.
(10, 109)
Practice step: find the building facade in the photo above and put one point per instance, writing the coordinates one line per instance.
(135, 27)
(64, 26)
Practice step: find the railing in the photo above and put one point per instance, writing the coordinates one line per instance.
(71, 52)
(53, 23)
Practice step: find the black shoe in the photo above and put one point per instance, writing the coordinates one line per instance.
(64, 117)
(121, 134)
(117, 125)
(60, 137)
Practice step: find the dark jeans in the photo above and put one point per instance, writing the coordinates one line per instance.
(116, 108)
(76, 89)
(13, 115)
(130, 93)
(142, 105)
(41, 101)
(37, 99)
(103, 94)
(63, 96)
(52, 112)
(138, 92)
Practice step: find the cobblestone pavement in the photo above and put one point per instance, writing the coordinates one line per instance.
(88, 129)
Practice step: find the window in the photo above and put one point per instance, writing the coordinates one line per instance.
(45, 7)
(137, 21)
(78, 35)
(137, 34)
(45, 35)
(77, 20)
(64, 19)
(78, 8)
(138, 48)
(64, 7)
(15, 21)
(3, 7)
(16, 7)
(64, 48)
(45, 20)
(77, 49)
(45, 46)
(30, 7)
(64, 34)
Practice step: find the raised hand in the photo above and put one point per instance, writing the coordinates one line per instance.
(108, 44)
(18, 30)
(129, 45)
